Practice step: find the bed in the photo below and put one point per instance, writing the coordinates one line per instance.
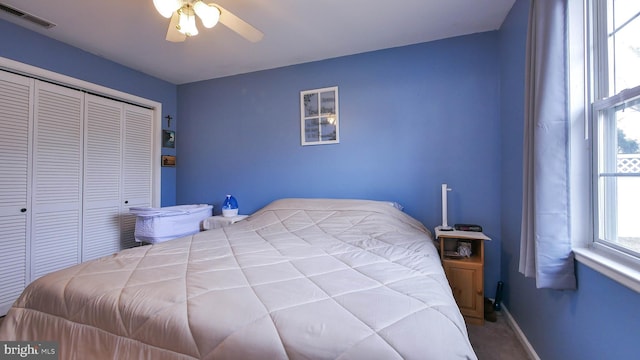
(299, 279)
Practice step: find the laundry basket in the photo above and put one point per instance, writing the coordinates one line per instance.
(154, 225)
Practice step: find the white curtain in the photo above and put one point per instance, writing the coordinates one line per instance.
(545, 244)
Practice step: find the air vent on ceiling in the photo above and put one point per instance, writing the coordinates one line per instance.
(26, 16)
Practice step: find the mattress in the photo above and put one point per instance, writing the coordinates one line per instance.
(299, 279)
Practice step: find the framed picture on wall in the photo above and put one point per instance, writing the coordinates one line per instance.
(319, 120)
(168, 139)
(168, 160)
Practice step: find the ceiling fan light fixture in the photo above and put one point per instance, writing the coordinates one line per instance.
(183, 19)
(187, 23)
(209, 14)
(167, 7)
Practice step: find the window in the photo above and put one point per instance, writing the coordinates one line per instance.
(615, 109)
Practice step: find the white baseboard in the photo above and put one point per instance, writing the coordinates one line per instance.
(523, 339)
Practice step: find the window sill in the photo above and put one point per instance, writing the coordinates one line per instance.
(610, 265)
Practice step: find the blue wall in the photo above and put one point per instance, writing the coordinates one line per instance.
(411, 118)
(601, 320)
(28, 47)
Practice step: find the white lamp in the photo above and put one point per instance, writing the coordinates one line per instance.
(167, 7)
(444, 225)
(208, 14)
(187, 24)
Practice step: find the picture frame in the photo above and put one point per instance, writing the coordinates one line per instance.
(319, 116)
(168, 139)
(168, 161)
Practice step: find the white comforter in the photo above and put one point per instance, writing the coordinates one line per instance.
(300, 279)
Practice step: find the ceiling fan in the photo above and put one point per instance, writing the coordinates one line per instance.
(183, 19)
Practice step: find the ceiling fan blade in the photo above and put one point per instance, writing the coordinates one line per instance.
(238, 25)
(173, 34)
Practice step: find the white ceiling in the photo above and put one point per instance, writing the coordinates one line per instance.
(132, 33)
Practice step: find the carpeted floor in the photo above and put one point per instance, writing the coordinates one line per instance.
(496, 341)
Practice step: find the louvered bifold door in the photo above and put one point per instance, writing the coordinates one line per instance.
(102, 177)
(137, 166)
(57, 178)
(15, 112)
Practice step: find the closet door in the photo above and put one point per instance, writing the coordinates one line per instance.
(16, 112)
(56, 218)
(137, 171)
(102, 177)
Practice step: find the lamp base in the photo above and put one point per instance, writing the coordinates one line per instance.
(229, 212)
(445, 228)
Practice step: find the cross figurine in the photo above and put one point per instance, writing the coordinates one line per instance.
(168, 117)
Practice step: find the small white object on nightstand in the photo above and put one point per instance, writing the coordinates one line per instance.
(219, 221)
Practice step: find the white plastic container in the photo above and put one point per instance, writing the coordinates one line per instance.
(154, 225)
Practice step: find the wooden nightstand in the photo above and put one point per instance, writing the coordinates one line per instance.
(465, 274)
